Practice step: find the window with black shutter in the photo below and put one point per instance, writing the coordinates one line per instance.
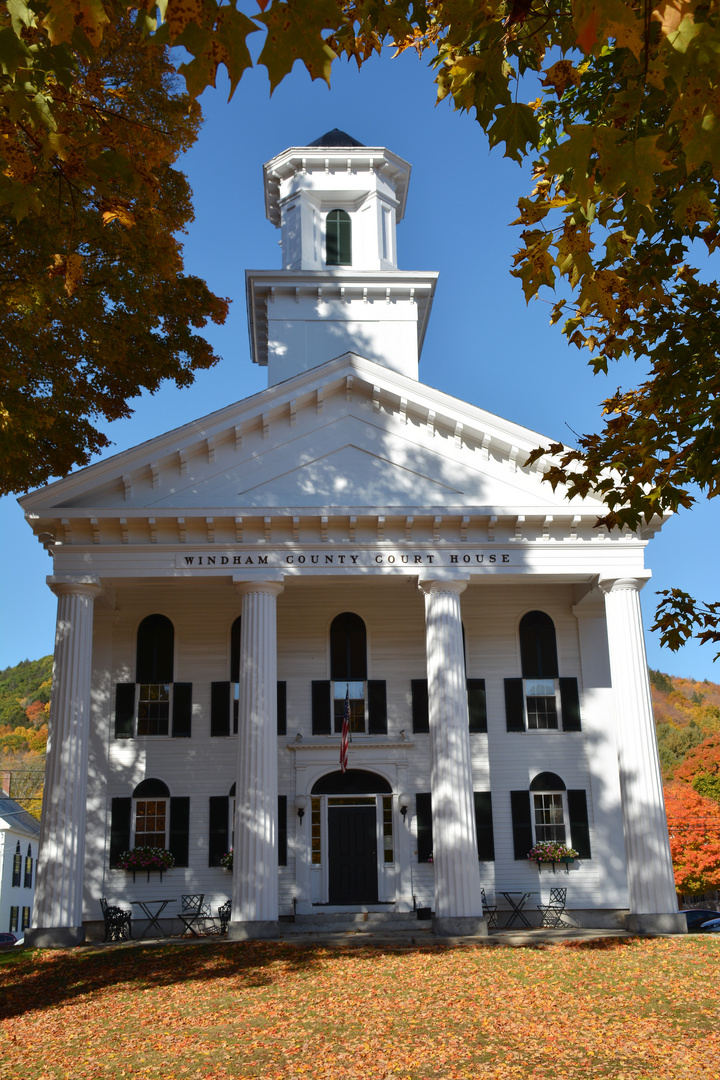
(484, 826)
(420, 710)
(282, 708)
(282, 830)
(377, 707)
(220, 708)
(17, 865)
(179, 838)
(423, 817)
(120, 819)
(579, 823)
(521, 823)
(321, 707)
(477, 710)
(218, 837)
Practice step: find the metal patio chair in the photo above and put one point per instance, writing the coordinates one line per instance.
(194, 910)
(552, 913)
(489, 910)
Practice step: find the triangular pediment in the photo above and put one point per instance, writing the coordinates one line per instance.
(349, 433)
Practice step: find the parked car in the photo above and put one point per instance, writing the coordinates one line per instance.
(712, 927)
(7, 940)
(696, 917)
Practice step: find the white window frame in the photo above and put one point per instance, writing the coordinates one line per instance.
(337, 689)
(145, 799)
(565, 821)
(558, 704)
(153, 735)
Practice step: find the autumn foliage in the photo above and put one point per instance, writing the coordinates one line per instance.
(612, 1010)
(694, 827)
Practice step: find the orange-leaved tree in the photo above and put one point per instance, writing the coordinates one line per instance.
(694, 827)
(701, 768)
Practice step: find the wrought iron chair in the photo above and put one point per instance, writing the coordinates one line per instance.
(552, 913)
(489, 910)
(118, 922)
(224, 915)
(194, 909)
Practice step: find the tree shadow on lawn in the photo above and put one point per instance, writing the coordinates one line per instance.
(45, 978)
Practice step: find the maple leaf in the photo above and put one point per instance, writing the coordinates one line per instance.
(294, 32)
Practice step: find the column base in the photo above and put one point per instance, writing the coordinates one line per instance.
(460, 926)
(254, 930)
(54, 937)
(662, 923)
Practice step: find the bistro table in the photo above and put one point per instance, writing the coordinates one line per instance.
(517, 906)
(153, 916)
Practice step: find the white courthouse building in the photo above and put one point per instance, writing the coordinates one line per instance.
(347, 530)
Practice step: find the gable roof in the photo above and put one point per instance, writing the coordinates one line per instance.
(14, 817)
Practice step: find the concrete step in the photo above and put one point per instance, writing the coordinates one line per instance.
(342, 922)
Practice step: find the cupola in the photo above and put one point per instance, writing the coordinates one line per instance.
(337, 204)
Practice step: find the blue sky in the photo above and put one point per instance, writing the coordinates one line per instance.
(483, 343)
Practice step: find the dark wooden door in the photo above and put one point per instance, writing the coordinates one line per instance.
(352, 844)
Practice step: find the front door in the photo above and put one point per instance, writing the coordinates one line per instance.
(352, 844)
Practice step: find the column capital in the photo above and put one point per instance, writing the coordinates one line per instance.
(617, 584)
(268, 588)
(455, 585)
(75, 585)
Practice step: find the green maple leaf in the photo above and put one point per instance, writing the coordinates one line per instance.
(294, 32)
(516, 126)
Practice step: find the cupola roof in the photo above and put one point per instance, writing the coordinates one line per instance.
(336, 137)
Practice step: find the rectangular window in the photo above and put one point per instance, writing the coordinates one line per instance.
(387, 809)
(14, 911)
(548, 817)
(25, 918)
(17, 867)
(315, 825)
(356, 693)
(153, 709)
(542, 710)
(27, 883)
(151, 823)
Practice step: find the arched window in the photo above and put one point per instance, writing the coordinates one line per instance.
(154, 674)
(538, 653)
(235, 669)
(338, 238)
(547, 811)
(27, 883)
(540, 700)
(548, 808)
(17, 865)
(348, 669)
(151, 800)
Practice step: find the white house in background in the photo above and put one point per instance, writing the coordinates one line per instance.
(19, 837)
(351, 532)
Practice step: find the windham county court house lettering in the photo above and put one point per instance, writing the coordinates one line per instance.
(347, 530)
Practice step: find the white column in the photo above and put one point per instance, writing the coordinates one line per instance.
(455, 856)
(255, 864)
(59, 883)
(651, 884)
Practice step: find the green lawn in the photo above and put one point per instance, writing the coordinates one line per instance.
(624, 1008)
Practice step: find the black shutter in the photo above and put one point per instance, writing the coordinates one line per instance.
(321, 707)
(120, 814)
(423, 815)
(521, 822)
(220, 708)
(218, 839)
(180, 829)
(420, 711)
(570, 704)
(477, 711)
(124, 710)
(377, 707)
(282, 708)
(484, 826)
(579, 824)
(182, 710)
(515, 706)
(282, 830)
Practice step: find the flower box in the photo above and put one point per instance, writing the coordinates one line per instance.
(548, 851)
(147, 859)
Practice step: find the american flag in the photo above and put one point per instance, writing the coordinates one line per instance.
(345, 732)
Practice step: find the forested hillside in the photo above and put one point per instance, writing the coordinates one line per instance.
(24, 708)
(687, 717)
